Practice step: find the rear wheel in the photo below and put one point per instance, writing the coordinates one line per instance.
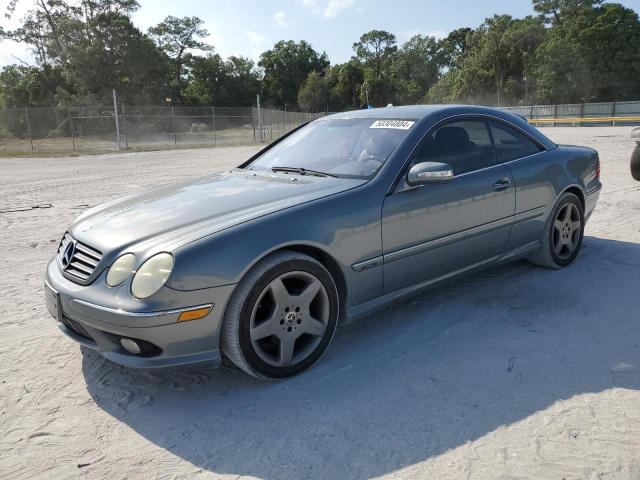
(635, 162)
(281, 317)
(562, 237)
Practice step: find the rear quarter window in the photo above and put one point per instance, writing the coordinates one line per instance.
(511, 144)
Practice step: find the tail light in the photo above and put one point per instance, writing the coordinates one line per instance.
(597, 169)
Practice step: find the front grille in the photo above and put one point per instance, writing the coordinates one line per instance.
(79, 260)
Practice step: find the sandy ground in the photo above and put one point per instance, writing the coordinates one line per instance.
(516, 372)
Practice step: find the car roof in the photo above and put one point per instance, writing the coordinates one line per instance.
(417, 112)
(408, 112)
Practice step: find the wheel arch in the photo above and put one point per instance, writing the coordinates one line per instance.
(578, 192)
(326, 260)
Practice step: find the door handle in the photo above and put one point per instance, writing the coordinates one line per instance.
(502, 184)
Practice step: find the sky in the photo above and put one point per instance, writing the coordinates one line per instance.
(249, 27)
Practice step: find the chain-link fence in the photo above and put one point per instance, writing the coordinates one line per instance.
(101, 128)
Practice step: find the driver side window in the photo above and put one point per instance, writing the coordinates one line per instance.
(464, 145)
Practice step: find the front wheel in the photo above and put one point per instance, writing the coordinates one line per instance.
(563, 233)
(281, 317)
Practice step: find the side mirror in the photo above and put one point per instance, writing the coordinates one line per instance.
(429, 172)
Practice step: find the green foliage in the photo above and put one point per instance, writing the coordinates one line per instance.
(177, 37)
(22, 86)
(313, 95)
(591, 56)
(214, 81)
(416, 68)
(557, 11)
(344, 84)
(375, 50)
(572, 51)
(94, 47)
(286, 66)
(454, 47)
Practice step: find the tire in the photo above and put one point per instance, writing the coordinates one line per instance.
(635, 162)
(276, 325)
(563, 232)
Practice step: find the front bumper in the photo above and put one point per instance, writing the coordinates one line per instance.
(101, 327)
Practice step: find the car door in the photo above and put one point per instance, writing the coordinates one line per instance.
(526, 160)
(439, 228)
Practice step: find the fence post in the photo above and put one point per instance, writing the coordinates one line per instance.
(555, 114)
(115, 115)
(26, 111)
(213, 124)
(73, 131)
(124, 128)
(259, 118)
(173, 127)
(253, 123)
(613, 113)
(581, 113)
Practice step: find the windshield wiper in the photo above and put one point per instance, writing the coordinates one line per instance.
(302, 171)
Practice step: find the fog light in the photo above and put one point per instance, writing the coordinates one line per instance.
(130, 346)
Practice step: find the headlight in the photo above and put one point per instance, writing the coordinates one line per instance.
(152, 275)
(120, 269)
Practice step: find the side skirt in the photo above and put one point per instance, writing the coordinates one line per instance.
(358, 311)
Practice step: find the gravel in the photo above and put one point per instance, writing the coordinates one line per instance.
(516, 372)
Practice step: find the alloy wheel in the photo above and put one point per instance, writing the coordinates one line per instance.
(566, 232)
(289, 319)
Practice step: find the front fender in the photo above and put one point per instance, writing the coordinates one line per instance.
(345, 226)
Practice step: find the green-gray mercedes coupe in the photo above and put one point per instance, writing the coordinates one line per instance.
(259, 264)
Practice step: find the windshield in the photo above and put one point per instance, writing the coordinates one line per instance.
(350, 148)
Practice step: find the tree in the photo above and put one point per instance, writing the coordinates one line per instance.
(215, 81)
(286, 66)
(497, 62)
(454, 47)
(610, 45)
(416, 68)
(375, 50)
(118, 56)
(54, 27)
(176, 37)
(244, 80)
(22, 86)
(94, 45)
(446, 89)
(313, 95)
(345, 83)
(524, 37)
(602, 45)
(556, 11)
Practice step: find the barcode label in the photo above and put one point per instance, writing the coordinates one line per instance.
(398, 124)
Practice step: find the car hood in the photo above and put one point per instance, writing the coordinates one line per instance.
(174, 215)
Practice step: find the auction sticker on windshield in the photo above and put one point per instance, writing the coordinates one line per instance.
(397, 124)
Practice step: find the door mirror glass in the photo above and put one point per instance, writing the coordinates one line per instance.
(429, 172)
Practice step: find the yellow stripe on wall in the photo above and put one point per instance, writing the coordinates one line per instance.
(584, 119)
